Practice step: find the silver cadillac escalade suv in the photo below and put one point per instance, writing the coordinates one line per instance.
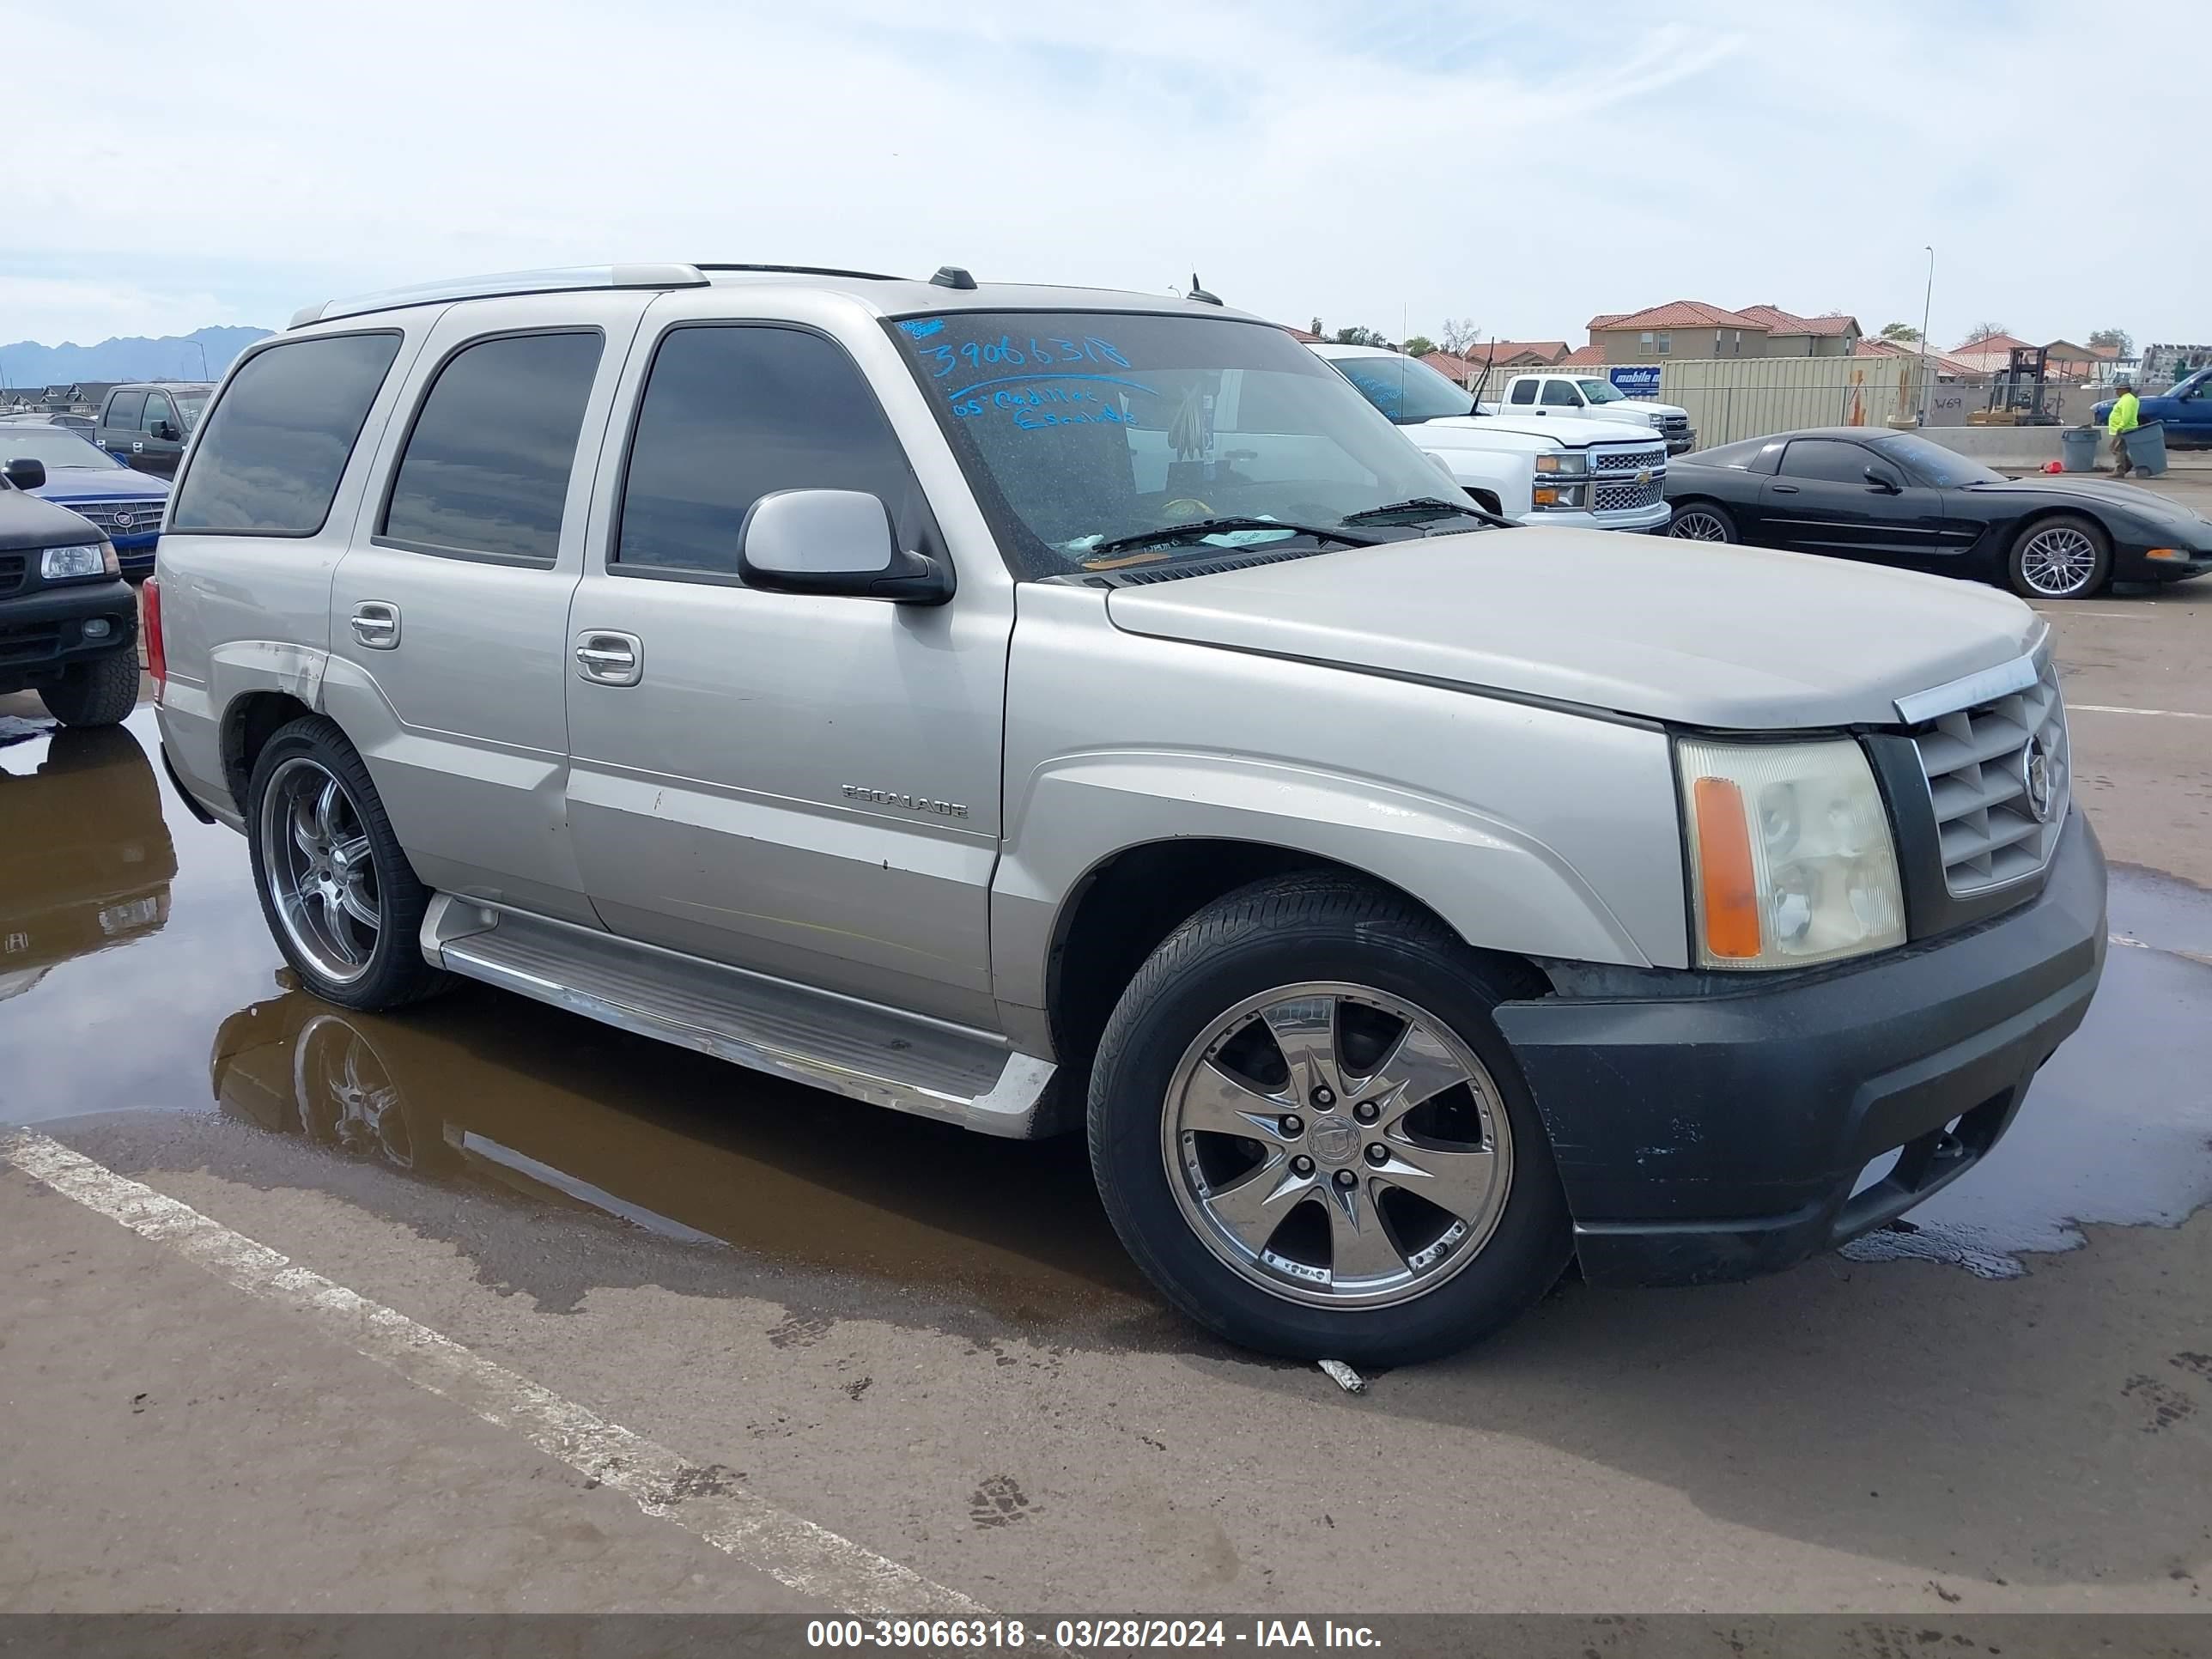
(1045, 709)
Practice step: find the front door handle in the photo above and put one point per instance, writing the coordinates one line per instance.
(1784, 490)
(609, 658)
(376, 624)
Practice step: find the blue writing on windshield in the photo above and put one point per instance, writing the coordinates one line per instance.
(920, 328)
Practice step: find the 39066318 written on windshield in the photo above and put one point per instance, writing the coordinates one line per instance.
(1083, 428)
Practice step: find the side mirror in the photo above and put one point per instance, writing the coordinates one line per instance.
(834, 541)
(165, 431)
(1884, 481)
(26, 472)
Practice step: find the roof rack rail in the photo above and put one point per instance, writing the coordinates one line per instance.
(807, 271)
(568, 279)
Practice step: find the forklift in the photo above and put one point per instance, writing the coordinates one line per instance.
(2019, 396)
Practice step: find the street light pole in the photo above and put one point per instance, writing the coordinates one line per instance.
(203, 351)
(1926, 309)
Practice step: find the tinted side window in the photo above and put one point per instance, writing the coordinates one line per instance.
(732, 413)
(158, 409)
(1826, 459)
(277, 439)
(1561, 394)
(486, 468)
(126, 409)
(1525, 392)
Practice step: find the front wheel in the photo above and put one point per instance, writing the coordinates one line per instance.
(1308, 1133)
(1702, 521)
(101, 692)
(2063, 557)
(345, 906)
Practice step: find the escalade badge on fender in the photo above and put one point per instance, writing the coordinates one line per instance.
(943, 809)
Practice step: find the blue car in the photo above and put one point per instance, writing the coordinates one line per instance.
(85, 479)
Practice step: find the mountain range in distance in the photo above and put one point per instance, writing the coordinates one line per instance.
(172, 357)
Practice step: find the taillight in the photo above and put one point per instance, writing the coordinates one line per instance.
(157, 663)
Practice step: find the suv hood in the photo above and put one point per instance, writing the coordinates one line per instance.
(1469, 431)
(88, 484)
(26, 521)
(1737, 638)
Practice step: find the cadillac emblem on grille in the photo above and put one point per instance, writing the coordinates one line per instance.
(124, 518)
(2035, 777)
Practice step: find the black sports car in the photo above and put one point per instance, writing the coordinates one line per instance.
(1897, 498)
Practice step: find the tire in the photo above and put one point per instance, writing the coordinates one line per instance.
(339, 897)
(1690, 519)
(1299, 1280)
(2064, 557)
(101, 692)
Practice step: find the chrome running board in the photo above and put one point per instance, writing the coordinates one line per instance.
(859, 1049)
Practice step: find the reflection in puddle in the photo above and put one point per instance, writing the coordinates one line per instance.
(498, 1093)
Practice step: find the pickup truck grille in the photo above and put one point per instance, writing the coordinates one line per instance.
(12, 566)
(144, 513)
(1675, 426)
(1619, 497)
(1611, 463)
(1983, 764)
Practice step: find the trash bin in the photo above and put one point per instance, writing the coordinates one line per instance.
(2078, 446)
(2146, 447)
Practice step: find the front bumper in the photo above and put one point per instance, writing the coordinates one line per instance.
(42, 631)
(1635, 519)
(1682, 442)
(2131, 563)
(1705, 1135)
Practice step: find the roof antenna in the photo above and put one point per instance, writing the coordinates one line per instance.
(1200, 295)
(952, 277)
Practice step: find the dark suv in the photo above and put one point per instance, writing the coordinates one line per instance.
(69, 623)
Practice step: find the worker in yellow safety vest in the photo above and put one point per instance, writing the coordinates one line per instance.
(2126, 415)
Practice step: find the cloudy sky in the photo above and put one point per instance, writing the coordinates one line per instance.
(1390, 162)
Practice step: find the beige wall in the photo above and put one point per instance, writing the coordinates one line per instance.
(1625, 345)
(1732, 398)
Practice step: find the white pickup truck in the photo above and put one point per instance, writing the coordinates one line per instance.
(1589, 474)
(1593, 397)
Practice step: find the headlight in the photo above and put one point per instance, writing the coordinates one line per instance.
(61, 564)
(1790, 859)
(1574, 465)
(1558, 495)
(1658, 420)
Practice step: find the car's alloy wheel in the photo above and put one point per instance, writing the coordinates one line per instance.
(1336, 1145)
(2060, 562)
(1698, 524)
(321, 875)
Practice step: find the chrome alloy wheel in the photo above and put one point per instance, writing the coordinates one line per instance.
(322, 880)
(1337, 1146)
(1697, 524)
(2058, 562)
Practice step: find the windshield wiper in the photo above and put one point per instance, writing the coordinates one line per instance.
(1201, 527)
(1430, 505)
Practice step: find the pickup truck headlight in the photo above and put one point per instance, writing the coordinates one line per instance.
(1790, 857)
(1572, 465)
(63, 564)
(1560, 496)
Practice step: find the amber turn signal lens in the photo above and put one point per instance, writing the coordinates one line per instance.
(1725, 878)
(2171, 554)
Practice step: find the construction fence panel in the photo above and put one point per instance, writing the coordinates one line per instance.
(1733, 398)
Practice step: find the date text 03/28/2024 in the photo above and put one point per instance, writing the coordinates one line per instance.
(1085, 1634)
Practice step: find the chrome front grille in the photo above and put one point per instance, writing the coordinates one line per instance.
(1999, 776)
(145, 514)
(1611, 463)
(1619, 497)
(1675, 426)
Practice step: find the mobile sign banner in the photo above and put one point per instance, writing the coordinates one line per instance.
(1635, 379)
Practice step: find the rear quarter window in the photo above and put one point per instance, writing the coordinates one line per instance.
(277, 441)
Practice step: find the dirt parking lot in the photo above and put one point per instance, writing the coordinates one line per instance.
(573, 1320)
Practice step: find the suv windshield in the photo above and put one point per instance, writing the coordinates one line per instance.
(1406, 389)
(1084, 427)
(1932, 464)
(1601, 392)
(54, 446)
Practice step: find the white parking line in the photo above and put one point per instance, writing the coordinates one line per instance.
(702, 1499)
(2108, 709)
(2084, 610)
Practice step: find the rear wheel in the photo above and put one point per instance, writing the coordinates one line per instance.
(345, 905)
(1309, 1133)
(101, 692)
(1702, 521)
(2066, 557)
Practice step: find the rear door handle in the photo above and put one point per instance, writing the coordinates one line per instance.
(1784, 490)
(376, 624)
(609, 658)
